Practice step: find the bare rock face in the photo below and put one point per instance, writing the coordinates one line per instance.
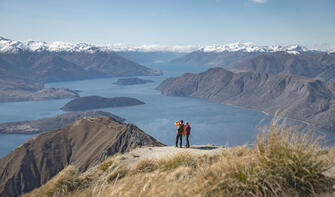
(84, 143)
(51, 123)
(300, 98)
(96, 102)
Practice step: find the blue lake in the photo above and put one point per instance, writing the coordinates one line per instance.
(211, 123)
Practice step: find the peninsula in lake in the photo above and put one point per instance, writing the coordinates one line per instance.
(96, 102)
(50, 123)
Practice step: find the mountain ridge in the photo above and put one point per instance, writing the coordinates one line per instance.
(84, 143)
(320, 66)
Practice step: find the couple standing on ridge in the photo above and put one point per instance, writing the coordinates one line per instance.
(182, 130)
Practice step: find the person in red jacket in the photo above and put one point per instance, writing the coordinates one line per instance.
(188, 132)
(180, 132)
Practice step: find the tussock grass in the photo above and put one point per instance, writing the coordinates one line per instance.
(106, 164)
(146, 166)
(291, 160)
(65, 182)
(117, 173)
(283, 162)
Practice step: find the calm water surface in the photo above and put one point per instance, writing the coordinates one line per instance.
(211, 123)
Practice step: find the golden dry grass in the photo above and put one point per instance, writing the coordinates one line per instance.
(63, 183)
(283, 162)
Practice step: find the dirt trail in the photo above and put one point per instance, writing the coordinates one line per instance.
(131, 158)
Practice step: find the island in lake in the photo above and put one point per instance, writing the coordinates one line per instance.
(96, 102)
(132, 81)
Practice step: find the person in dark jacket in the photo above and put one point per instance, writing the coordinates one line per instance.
(188, 132)
(180, 132)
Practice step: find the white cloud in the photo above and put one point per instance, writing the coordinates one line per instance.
(259, 1)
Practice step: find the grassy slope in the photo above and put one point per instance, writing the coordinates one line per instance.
(283, 163)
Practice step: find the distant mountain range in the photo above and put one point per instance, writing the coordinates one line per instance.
(151, 57)
(299, 98)
(25, 67)
(8, 45)
(64, 66)
(224, 59)
(317, 65)
(83, 144)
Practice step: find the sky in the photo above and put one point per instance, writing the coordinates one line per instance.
(170, 22)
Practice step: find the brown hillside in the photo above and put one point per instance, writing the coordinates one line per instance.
(82, 144)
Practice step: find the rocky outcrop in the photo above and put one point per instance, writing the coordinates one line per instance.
(296, 97)
(51, 123)
(83, 144)
(132, 81)
(96, 102)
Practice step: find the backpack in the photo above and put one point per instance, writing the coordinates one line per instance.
(181, 129)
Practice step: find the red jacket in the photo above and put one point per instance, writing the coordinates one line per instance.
(188, 129)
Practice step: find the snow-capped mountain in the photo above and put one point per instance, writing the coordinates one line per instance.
(251, 47)
(7, 45)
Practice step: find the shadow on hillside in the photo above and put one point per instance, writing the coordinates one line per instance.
(205, 147)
